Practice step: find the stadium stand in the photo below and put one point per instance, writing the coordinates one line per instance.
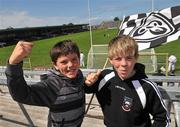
(10, 36)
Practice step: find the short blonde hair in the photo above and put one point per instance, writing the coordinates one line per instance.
(122, 45)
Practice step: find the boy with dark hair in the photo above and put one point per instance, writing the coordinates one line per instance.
(127, 97)
(62, 89)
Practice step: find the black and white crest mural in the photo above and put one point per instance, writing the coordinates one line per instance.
(153, 29)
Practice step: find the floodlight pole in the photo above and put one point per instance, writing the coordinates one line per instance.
(90, 31)
(90, 34)
(152, 6)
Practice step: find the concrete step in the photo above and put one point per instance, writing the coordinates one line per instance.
(14, 117)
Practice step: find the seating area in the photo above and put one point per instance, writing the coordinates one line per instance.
(14, 114)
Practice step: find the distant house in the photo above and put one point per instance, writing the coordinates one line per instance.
(109, 24)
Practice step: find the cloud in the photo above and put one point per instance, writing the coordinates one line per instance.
(17, 19)
(22, 19)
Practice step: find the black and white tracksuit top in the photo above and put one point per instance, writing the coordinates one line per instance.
(64, 97)
(128, 103)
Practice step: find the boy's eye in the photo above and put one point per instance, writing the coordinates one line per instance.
(75, 59)
(64, 62)
(118, 58)
(126, 58)
(129, 57)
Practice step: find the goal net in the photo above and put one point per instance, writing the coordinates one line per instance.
(148, 59)
(97, 56)
(97, 59)
(153, 61)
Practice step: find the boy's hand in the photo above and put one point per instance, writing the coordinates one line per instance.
(92, 78)
(21, 51)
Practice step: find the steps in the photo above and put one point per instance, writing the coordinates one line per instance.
(14, 117)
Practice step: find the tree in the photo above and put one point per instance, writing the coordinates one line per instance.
(70, 24)
(116, 19)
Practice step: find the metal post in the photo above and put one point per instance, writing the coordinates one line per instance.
(89, 104)
(152, 6)
(90, 31)
(26, 115)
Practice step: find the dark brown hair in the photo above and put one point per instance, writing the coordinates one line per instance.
(64, 47)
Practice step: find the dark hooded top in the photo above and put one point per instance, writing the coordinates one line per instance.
(64, 97)
(129, 103)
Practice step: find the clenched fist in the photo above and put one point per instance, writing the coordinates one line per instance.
(21, 51)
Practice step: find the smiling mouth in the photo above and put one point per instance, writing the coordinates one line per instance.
(71, 71)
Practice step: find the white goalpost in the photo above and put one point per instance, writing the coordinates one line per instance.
(148, 58)
(97, 57)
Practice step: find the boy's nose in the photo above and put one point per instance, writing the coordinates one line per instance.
(124, 62)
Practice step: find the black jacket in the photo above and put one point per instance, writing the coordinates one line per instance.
(64, 97)
(128, 103)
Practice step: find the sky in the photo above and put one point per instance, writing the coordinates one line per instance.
(36, 13)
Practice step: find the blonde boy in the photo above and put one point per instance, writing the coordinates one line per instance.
(127, 97)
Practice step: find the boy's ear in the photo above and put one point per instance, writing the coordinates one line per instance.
(54, 65)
